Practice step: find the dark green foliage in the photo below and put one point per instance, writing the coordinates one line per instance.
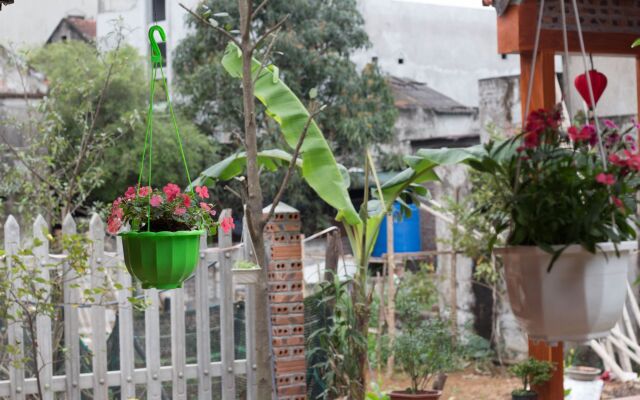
(532, 372)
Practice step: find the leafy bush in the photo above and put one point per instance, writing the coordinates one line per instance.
(532, 372)
(424, 351)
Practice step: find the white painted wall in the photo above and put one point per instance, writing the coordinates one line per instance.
(448, 47)
(136, 19)
(31, 22)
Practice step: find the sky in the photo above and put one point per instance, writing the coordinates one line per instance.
(456, 3)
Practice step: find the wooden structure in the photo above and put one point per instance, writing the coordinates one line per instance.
(609, 28)
(103, 263)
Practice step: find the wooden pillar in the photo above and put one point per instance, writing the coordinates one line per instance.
(542, 96)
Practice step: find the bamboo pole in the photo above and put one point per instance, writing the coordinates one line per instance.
(391, 295)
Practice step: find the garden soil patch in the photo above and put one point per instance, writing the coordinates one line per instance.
(469, 385)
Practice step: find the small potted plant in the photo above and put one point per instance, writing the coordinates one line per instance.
(162, 242)
(246, 272)
(566, 207)
(423, 351)
(531, 372)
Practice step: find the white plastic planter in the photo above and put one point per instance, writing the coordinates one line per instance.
(581, 298)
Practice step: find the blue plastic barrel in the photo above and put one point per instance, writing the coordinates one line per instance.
(406, 232)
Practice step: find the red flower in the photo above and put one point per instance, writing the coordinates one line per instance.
(180, 211)
(606, 179)
(171, 191)
(531, 139)
(130, 193)
(617, 160)
(617, 202)
(202, 191)
(144, 191)
(227, 224)
(155, 200)
(586, 134)
(633, 160)
(186, 200)
(117, 213)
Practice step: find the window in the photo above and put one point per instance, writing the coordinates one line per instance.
(158, 11)
(163, 51)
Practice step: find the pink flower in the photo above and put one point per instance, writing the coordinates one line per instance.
(186, 200)
(130, 193)
(116, 202)
(144, 191)
(202, 191)
(156, 200)
(113, 225)
(171, 190)
(610, 124)
(617, 202)
(617, 160)
(117, 213)
(205, 206)
(606, 179)
(633, 160)
(180, 211)
(227, 224)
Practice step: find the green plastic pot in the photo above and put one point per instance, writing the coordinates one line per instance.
(161, 260)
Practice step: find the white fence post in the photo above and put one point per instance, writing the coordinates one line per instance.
(203, 329)
(98, 313)
(178, 344)
(227, 333)
(43, 322)
(152, 345)
(71, 323)
(125, 331)
(15, 331)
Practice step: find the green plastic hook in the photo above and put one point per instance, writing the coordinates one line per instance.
(156, 55)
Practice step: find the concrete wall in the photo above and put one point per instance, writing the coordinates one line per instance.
(30, 22)
(449, 48)
(136, 18)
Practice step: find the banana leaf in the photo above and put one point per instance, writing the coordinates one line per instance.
(319, 167)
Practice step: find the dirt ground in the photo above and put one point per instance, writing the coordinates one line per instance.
(469, 385)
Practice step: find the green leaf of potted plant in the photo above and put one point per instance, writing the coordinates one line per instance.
(569, 201)
(423, 351)
(162, 245)
(531, 372)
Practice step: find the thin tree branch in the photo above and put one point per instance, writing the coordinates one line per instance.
(292, 165)
(210, 25)
(267, 33)
(265, 57)
(255, 12)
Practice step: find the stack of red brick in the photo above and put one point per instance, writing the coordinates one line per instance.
(286, 297)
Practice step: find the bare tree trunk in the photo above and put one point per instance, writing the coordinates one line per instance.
(254, 208)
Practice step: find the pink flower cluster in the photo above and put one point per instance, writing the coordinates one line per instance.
(169, 203)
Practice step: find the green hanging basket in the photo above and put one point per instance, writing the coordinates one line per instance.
(161, 260)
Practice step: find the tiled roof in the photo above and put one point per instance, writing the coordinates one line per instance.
(409, 94)
(85, 26)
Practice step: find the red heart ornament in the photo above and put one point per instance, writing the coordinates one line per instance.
(598, 82)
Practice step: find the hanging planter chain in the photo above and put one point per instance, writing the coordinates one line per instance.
(156, 64)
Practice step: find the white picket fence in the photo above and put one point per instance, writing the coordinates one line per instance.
(223, 257)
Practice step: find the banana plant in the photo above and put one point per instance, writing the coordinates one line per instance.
(324, 175)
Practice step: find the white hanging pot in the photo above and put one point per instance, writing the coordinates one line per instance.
(581, 298)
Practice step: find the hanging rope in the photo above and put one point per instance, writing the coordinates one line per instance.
(536, 47)
(603, 155)
(156, 64)
(565, 62)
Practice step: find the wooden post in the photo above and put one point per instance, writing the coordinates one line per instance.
(15, 331)
(380, 288)
(125, 330)
(542, 96)
(227, 336)
(391, 301)
(203, 331)
(43, 322)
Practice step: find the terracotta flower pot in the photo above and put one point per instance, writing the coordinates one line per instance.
(422, 395)
(581, 298)
(161, 260)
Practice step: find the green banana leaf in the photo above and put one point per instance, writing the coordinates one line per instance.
(319, 167)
